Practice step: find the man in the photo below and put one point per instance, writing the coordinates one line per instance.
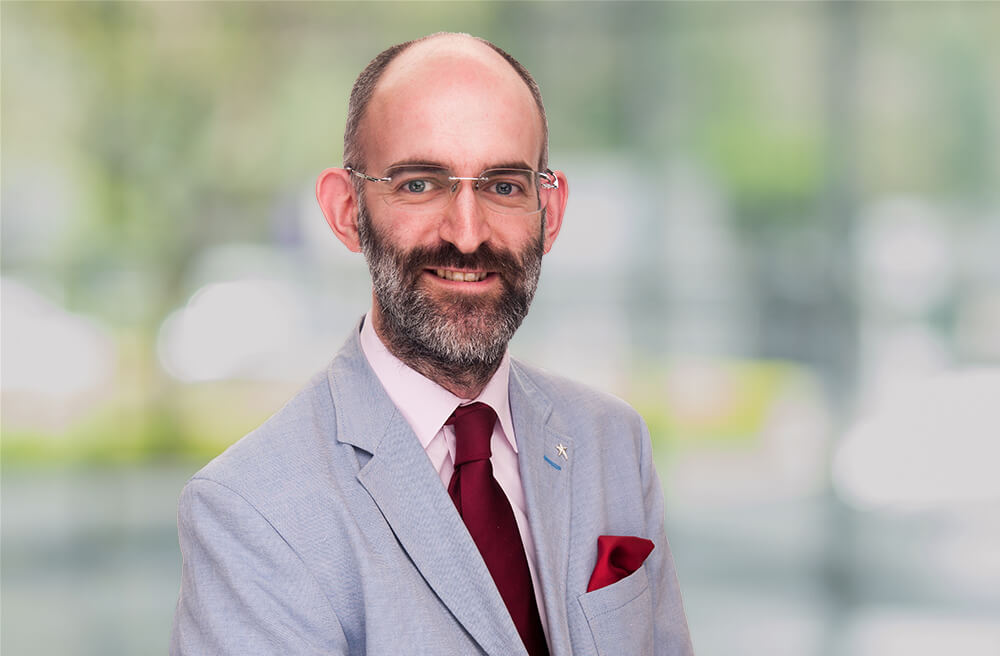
(427, 494)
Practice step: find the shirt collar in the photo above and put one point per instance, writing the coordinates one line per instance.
(423, 403)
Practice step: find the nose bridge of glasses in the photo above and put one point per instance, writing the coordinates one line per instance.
(456, 181)
(455, 186)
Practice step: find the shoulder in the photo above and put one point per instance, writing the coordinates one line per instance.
(574, 405)
(285, 447)
(609, 444)
(298, 443)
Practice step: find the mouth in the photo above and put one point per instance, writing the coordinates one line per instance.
(460, 276)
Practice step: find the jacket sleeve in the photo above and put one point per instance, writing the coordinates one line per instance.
(244, 589)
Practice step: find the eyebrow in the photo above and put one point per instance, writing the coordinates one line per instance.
(511, 165)
(438, 165)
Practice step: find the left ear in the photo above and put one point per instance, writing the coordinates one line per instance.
(554, 210)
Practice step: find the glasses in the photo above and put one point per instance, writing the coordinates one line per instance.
(424, 188)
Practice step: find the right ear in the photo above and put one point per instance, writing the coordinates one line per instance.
(338, 200)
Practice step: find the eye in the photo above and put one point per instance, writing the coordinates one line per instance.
(416, 185)
(507, 185)
(413, 181)
(504, 188)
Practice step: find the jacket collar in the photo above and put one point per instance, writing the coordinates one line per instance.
(546, 477)
(402, 482)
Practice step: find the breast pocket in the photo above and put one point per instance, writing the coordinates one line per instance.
(621, 616)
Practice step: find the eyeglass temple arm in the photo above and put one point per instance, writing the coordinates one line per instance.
(553, 181)
(365, 176)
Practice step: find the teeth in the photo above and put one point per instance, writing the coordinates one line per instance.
(459, 276)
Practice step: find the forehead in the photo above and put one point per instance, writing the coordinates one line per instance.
(452, 101)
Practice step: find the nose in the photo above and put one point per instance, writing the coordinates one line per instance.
(465, 224)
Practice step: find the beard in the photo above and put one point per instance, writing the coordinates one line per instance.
(460, 336)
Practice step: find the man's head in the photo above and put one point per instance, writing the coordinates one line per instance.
(452, 280)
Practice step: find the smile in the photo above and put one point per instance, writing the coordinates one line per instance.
(461, 276)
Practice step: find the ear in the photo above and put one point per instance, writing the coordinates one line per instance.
(338, 200)
(554, 210)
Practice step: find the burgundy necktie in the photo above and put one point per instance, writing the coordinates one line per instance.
(488, 516)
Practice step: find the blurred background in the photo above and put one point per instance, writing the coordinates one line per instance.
(782, 246)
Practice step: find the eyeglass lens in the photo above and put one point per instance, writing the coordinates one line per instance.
(428, 188)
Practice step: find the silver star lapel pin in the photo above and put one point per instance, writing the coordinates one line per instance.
(561, 450)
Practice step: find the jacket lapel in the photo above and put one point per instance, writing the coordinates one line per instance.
(402, 482)
(545, 475)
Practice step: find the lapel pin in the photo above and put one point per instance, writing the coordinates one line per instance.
(561, 450)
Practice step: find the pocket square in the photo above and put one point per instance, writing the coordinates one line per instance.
(617, 557)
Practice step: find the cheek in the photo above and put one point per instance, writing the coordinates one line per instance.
(518, 233)
(402, 232)
(414, 233)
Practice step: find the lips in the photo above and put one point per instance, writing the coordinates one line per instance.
(461, 276)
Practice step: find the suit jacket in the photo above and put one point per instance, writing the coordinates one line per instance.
(328, 531)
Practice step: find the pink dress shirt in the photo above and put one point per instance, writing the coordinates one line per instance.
(426, 406)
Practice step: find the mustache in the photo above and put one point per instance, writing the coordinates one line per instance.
(446, 255)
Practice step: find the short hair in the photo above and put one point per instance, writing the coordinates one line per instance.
(364, 89)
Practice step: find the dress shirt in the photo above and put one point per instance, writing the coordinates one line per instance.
(426, 406)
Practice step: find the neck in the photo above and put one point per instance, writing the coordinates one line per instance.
(464, 380)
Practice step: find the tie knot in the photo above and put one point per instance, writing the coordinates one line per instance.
(473, 428)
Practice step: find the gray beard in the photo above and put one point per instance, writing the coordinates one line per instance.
(460, 341)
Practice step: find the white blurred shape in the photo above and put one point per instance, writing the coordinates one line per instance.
(932, 442)
(891, 632)
(48, 351)
(797, 434)
(586, 244)
(897, 356)
(906, 254)
(237, 329)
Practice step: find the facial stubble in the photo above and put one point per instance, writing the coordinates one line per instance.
(457, 341)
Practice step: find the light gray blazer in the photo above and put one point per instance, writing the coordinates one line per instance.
(327, 531)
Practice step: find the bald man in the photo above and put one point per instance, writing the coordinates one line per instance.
(426, 493)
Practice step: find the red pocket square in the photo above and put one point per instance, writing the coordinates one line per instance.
(617, 557)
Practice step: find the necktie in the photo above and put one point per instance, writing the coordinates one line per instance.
(488, 516)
